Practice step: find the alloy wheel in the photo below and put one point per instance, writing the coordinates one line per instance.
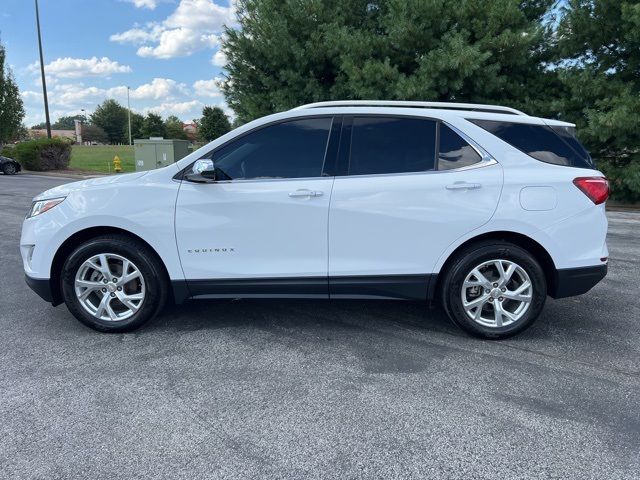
(110, 287)
(497, 293)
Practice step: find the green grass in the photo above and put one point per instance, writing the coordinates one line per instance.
(99, 158)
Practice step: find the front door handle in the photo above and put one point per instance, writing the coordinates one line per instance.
(463, 186)
(303, 192)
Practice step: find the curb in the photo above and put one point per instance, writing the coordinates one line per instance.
(623, 207)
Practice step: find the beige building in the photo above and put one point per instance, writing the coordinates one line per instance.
(42, 132)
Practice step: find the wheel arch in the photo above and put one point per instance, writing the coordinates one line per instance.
(80, 237)
(529, 244)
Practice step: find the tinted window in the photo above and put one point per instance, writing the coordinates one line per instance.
(286, 150)
(454, 151)
(568, 134)
(540, 142)
(391, 145)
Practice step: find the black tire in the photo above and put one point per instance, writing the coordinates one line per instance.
(466, 261)
(156, 282)
(9, 169)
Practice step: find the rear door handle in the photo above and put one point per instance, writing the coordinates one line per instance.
(463, 186)
(303, 192)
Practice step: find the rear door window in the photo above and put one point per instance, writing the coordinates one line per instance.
(557, 145)
(392, 145)
(454, 151)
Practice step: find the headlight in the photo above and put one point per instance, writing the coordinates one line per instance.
(42, 206)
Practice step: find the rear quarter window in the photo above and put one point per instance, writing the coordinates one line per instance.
(556, 145)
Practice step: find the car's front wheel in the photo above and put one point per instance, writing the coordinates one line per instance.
(113, 283)
(494, 290)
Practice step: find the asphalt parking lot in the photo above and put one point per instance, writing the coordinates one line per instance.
(312, 389)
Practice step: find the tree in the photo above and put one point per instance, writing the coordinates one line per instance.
(290, 53)
(153, 126)
(137, 121)
(175, 128)
(599, 65)
(112, 118)
(94, 133)
(21, 134)
(67, 123)
(11, 106)
(213, 124)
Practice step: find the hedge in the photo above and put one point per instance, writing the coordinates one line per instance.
(43, 154)
(624, 178)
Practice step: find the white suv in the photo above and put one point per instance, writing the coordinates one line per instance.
(481, 208)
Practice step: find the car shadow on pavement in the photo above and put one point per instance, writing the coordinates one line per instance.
(289, 313)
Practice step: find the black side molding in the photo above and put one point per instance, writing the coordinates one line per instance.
(570, 282)
(397, 287)
(302, 287)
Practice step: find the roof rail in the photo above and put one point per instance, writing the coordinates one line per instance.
(411, 104)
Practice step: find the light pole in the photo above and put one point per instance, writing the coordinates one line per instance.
(129, 112)
(44, 83)
(84, 114)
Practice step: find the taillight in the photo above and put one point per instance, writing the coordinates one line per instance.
(596, 188)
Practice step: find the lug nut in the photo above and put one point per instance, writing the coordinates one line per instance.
(104, 289)
(119, 288)
(500, 298)
(106, 281)
(487, 291)
(503, 289)
(115, 280)
(495, 284)
(491, 299)
(113, 294)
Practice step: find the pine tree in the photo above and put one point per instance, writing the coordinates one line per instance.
(289, 53)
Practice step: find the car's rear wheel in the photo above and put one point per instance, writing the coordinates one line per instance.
(113, 283)
(9, 168)
(494, 290)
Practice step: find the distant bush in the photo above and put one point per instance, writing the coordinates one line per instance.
(43, 154)
(8, 151)
(624, 178)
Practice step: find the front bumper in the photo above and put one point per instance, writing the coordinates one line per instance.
(42, 286)
(570, 282)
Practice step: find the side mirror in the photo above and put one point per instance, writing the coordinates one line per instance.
(203, 171)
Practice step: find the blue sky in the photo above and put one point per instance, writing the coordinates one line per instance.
(165, 50)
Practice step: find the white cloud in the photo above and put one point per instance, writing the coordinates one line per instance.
(182, 109)
(194, 25)
(31, 96)
(207, 88)
(179, 42)
(72, 96)
(139, 35)
(150, 4)
(164, 88)
(81, 67)
(201, 15)
(219, 59)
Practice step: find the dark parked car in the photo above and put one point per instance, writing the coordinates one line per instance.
(9, 166)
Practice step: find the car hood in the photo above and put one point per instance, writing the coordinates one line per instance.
(67, 188)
